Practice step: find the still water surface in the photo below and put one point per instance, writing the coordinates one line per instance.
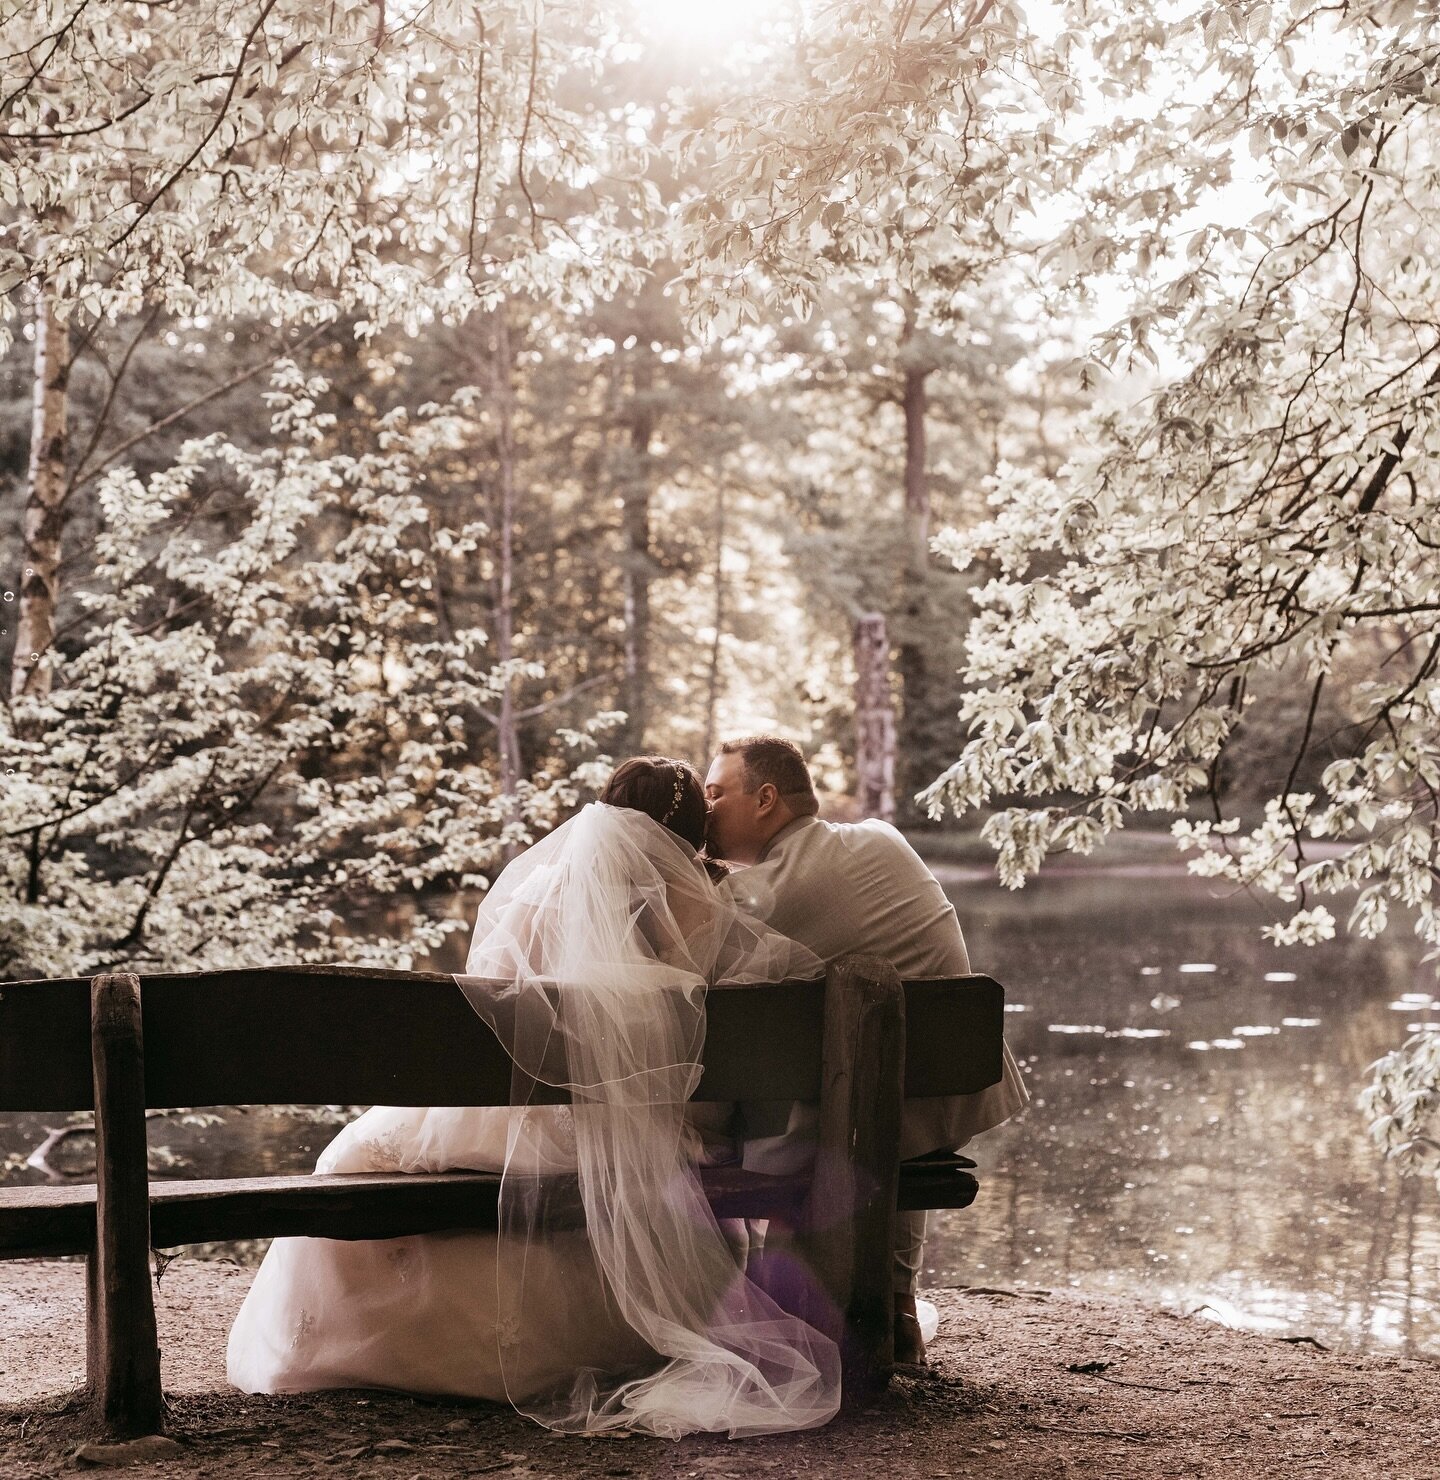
(1193, 1140)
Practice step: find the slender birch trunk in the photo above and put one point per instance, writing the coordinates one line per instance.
(44, 519)
(874, 718)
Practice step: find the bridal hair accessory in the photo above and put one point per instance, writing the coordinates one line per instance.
(675, 801)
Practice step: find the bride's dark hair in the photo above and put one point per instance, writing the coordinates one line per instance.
(669, 791)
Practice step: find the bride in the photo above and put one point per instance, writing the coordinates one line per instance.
(590, 960)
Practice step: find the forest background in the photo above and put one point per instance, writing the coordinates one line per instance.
(406, 408)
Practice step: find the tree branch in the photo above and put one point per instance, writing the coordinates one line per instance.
(184, 411)
(147, 205)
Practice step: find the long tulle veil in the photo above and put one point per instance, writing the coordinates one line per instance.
(591, 958)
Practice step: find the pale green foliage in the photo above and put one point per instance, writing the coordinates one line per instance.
(246, 774)
(892, 137)
(293, 159)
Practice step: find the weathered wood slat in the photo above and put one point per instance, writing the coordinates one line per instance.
(123, 1359)
(213, 1041)
(45, 1045)
(44, 1222)
(391, 1206)
(933, 1187)
(954, 1036)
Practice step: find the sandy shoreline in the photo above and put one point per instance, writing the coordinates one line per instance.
(1030, 1383)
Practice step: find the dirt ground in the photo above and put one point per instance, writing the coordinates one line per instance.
(1024, 1383)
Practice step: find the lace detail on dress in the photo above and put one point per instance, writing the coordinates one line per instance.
(304, 1325)
(402, 1258)
(507, 1330)
(385, 1151)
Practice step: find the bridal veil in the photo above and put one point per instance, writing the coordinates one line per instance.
(591, 958)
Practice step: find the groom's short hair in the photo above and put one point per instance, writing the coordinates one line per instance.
(769, 760)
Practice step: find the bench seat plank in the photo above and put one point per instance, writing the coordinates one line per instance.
(46, 1222)
(50, 1221)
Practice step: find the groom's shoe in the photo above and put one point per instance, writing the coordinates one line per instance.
(909, 1345)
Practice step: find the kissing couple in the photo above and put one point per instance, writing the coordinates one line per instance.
(601, 940)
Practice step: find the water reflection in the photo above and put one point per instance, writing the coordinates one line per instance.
(1194, 1137)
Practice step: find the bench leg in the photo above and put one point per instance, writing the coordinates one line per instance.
(849, 1219)
(122, 1351)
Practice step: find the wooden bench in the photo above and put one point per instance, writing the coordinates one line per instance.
(857, 1043)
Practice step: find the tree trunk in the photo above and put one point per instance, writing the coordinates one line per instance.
(874, 719)
(915, 610)
(507, 738)
(720, 615)
(915, 402)
(637, 564)
(44, 521)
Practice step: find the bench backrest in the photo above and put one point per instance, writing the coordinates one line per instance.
(348, 1035)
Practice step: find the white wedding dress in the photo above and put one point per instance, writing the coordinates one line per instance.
(590, 960)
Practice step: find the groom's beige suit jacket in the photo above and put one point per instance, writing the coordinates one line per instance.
(842, 887)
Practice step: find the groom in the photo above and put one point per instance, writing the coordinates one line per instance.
(842, 888)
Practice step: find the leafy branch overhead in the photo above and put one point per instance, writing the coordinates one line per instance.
(283, 158)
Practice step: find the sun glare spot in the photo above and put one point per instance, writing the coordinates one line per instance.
(698, 24)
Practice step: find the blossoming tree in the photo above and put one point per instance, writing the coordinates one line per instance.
(1273, 504)
(265, 737)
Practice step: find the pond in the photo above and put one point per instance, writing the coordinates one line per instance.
(1193, 1140)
